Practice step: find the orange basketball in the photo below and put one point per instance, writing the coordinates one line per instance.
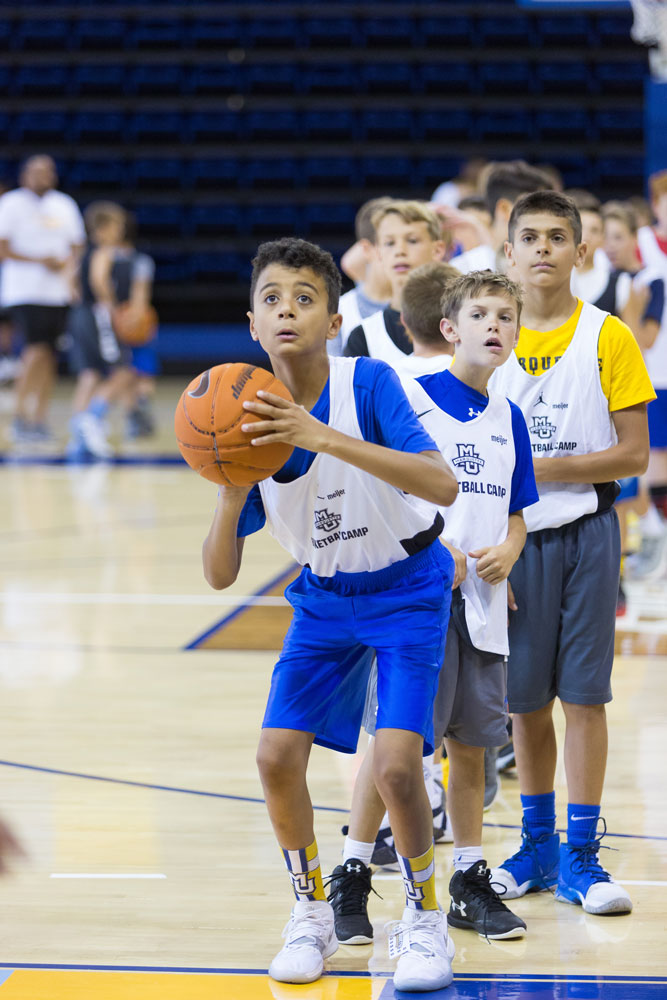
(134, 325)
(208, 423)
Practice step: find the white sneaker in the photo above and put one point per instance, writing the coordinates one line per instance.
(91, 431)
(310, 937)
(424, 949)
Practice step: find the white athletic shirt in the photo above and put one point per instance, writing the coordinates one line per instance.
(481, 452)
(379, 343)
(348, 307)
(656, 267)
(337, 517)
(567, 413)
(38, 227)
(589, 285)
(414, 366)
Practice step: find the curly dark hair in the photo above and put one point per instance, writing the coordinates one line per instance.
(295, 253)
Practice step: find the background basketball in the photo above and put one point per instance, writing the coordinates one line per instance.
(134, 326)
(208, 423)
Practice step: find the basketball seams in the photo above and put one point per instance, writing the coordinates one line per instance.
(223, 454)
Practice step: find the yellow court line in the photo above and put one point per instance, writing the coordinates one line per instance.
(53, 984)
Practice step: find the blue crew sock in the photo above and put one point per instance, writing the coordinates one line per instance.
(98, 408)
(582, 823)
(539, 813)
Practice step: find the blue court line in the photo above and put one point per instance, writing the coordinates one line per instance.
(223, 622)
(471, 977)
(151, 460)
(147, 784)
(245, 798)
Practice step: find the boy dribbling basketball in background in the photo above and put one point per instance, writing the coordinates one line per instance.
(374, 577)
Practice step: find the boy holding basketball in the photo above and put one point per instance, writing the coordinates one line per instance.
(375, 577)
(578, 376)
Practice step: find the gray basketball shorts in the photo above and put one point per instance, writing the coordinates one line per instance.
(562, 637)
(470, 704)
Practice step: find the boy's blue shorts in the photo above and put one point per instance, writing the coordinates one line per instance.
(657, 419)
(319, 683)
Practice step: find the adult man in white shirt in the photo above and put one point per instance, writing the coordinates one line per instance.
(41, 237)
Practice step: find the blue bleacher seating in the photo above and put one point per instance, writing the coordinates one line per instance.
(214, 78)
(388, 78)
(620, 173)
(215, 126)
(7, 28)
(274, 220)
(614, 29)
(388, 31)
(568, 30)
(215, 174)
(217, 219)
(102, 33)
(577, 171)
(454, 124)
(330, 32)
(272, 125)
(566, 78)
(505, 78)
(621, 123)
(172, 267)
(155, 79)
(330, 125)
(158, 126)
(396, 124)
(99, 126)
(272, 79)
(216, 266)
(500, 32)
(622, 77)
(40, 126)
(433, 171)
(448, 78)
(157, 33)
(162, 174)
(330, 219)
(394, 171)
(99, 79)
(203, 33)
(505, 124)
(275, 172)
(162, 220)
(42, 81)
(330, 171)
(330, 78)
(447, 32)
(43, 34)
(104, 175)
(564, 123)
(272, 32)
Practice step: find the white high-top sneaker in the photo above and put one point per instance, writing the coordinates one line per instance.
(310, 937)
(424, 949)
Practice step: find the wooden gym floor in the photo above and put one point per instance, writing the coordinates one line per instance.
(132, 697)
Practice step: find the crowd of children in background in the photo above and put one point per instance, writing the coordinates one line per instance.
(539, 412)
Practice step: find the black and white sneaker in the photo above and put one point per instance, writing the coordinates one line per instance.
(349, 887)
(477, 907)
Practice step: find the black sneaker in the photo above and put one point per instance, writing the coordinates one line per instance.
(384, 852)
(476, 907)
(350, 885)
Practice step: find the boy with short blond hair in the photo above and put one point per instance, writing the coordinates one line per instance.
(408, 234)
(579, 378)
(360, 262)
(483, 436)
